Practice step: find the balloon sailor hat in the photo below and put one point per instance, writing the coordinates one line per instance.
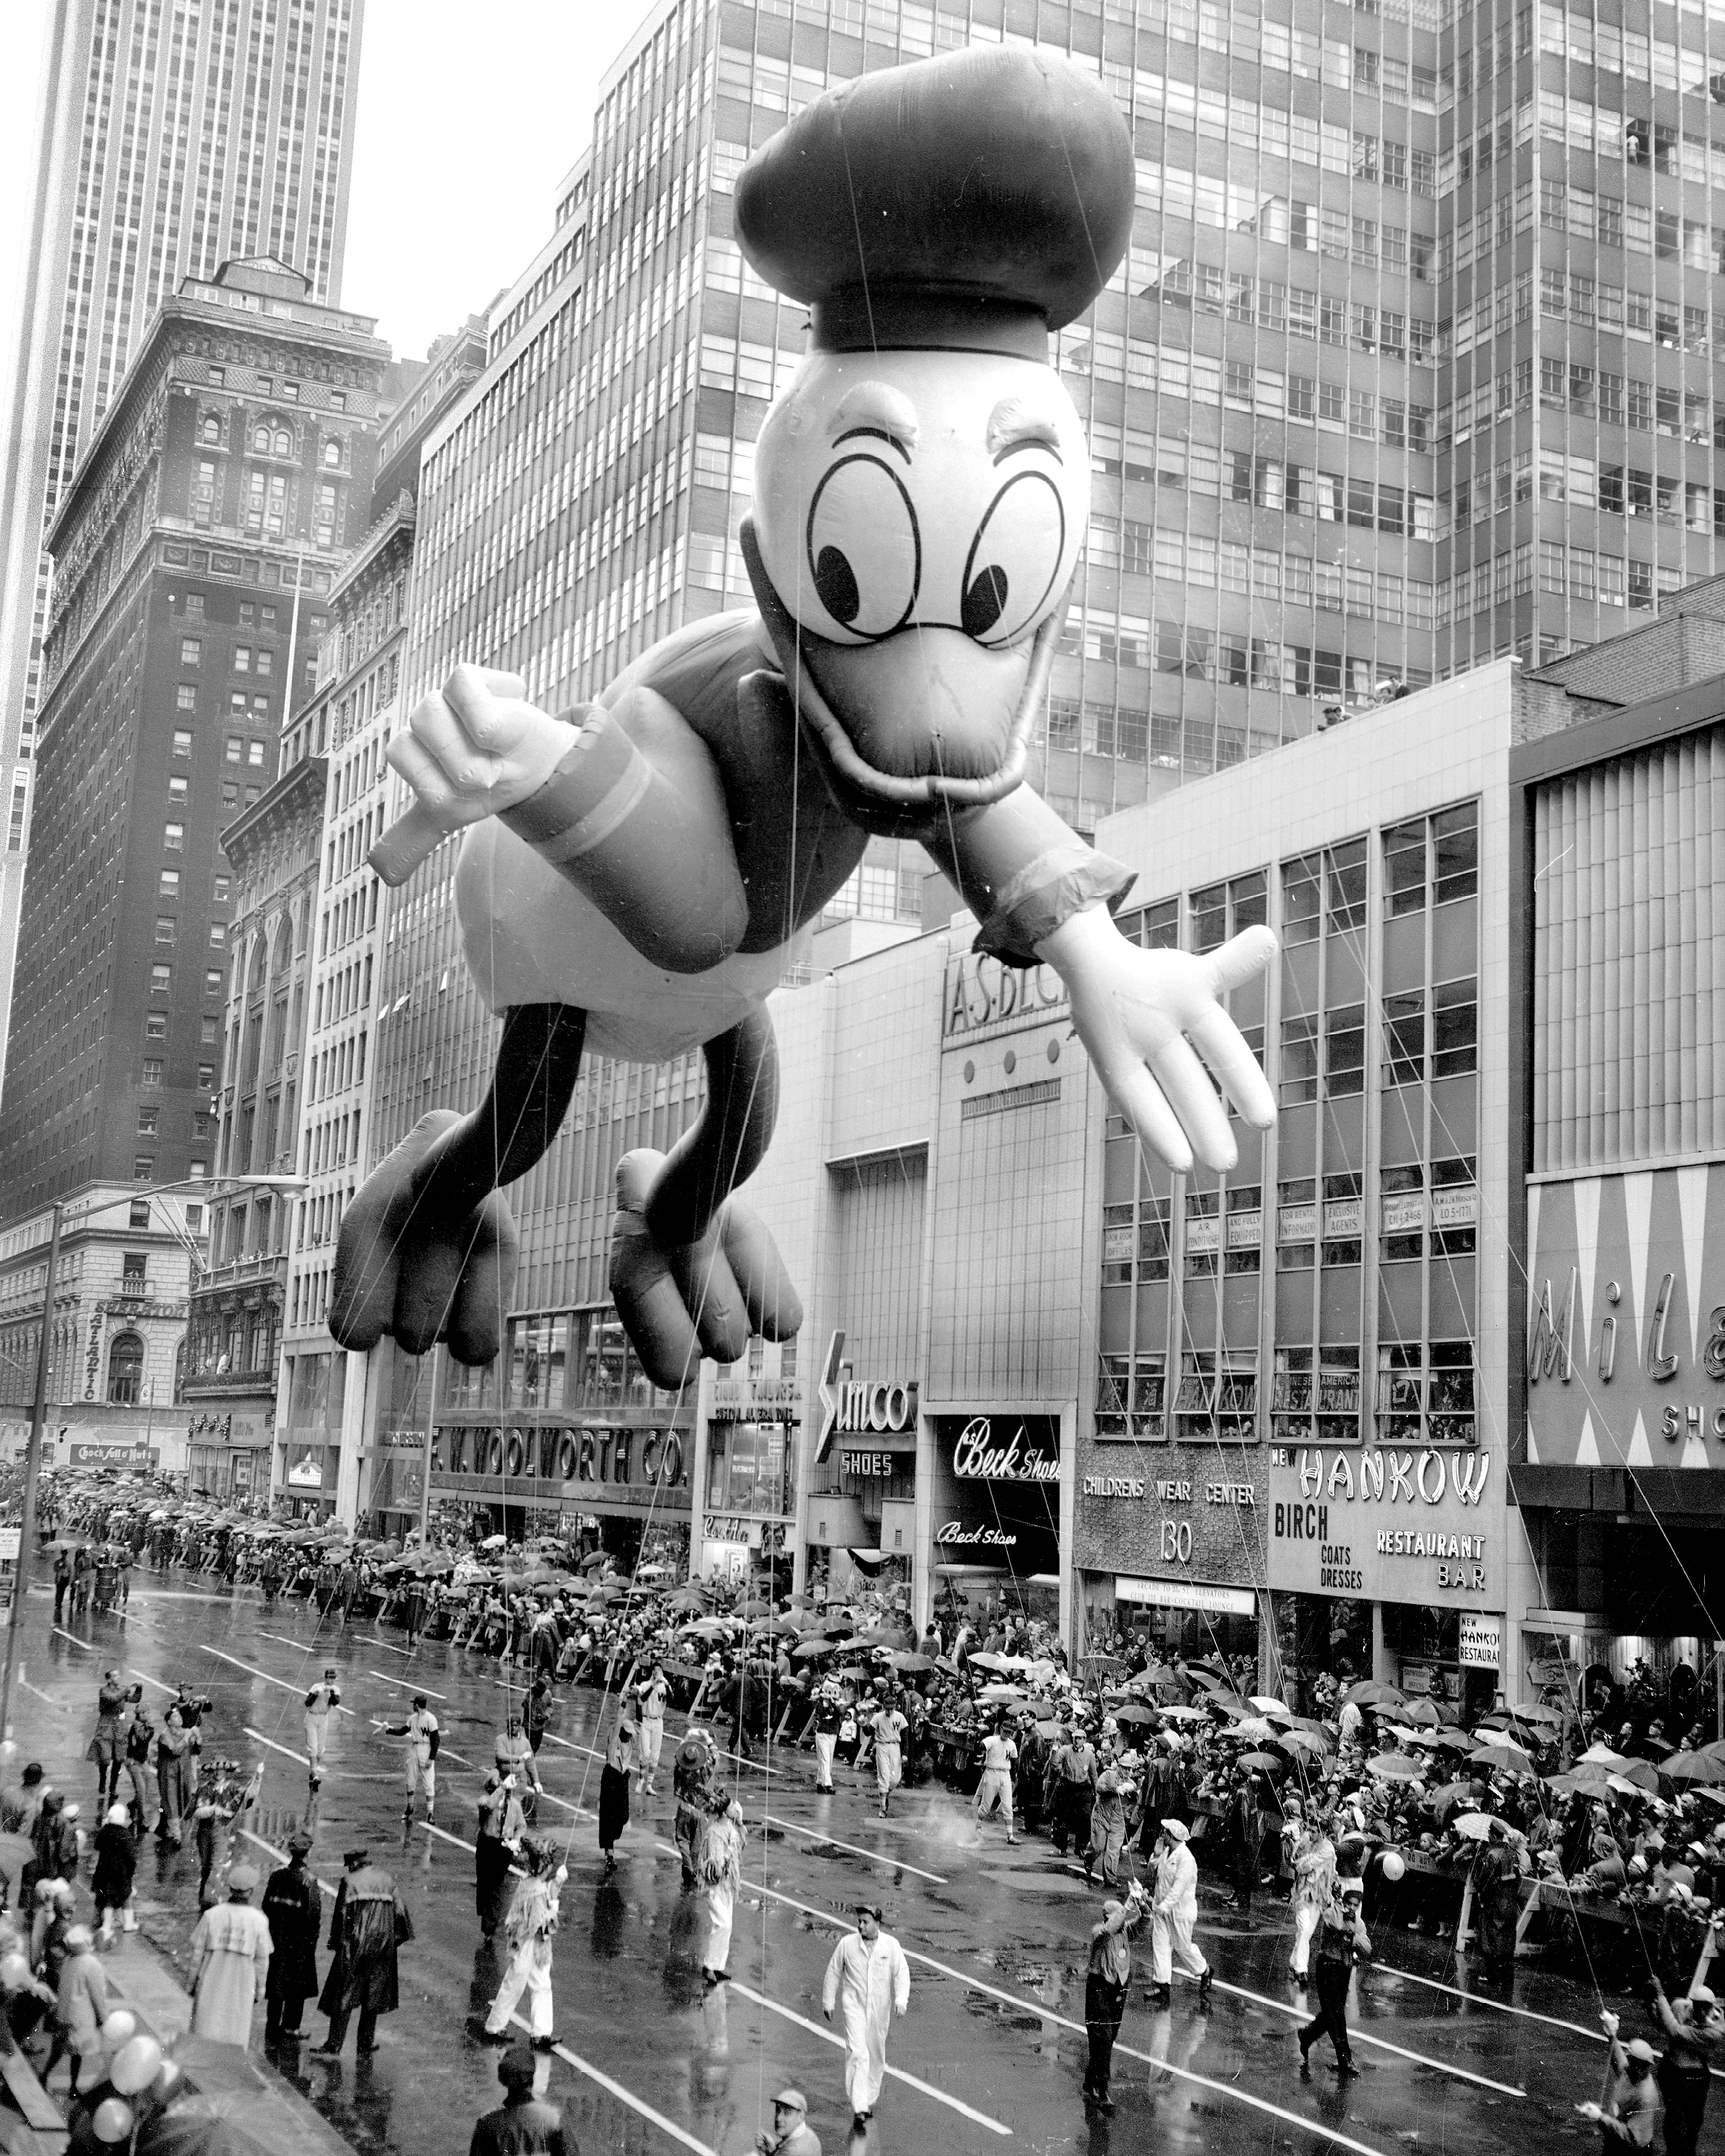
(922, 486)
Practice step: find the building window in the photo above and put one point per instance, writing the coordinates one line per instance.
(179, 792)
(138, 1214)
(242, 659)
(233, 750)
(161, 979)
(186, 697)
(167, 930)
(1346, 883)
(149, 1122)
(170, 886)
(1455, 849)
(212, 982)
(182, 741)
(1404, 1038)
(254, 755)
(173, 837)
(151, 1074)
(156, 1026)
(1344, 1051)
(1455, 1029)
(332, 453)
(143, 1168)
(1130, 1391)
(1299, 1059)
(1301, 898)
(126, 1370)
(218, 935)
(190, 651)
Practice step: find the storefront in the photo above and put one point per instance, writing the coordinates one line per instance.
(1385, 1562)
(308, 1448)
(1170, 1551)
(748, 1432)
(998, 1476)
(1623, 1485)
(860, 1514)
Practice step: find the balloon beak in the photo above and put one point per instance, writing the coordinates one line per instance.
(925, 702)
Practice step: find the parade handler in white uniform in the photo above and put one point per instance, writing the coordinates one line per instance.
(1173, 1911)
(868, 1980)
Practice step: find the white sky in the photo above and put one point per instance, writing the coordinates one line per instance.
(470, 113)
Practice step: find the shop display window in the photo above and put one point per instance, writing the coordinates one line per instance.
(1131, 1397)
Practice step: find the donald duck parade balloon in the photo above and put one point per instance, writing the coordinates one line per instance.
(635, 873)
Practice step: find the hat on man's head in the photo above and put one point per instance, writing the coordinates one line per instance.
(790, 2099)
(1639, 2048)
(300, 1843)
(1176, 1830)
(242, 1879)
(980, 199)
(353, 1858)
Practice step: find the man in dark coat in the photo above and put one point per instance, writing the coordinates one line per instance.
(521, 2126)
(1496, 1886)
(1247, 1824)
(369, 1921)
(294, 1912)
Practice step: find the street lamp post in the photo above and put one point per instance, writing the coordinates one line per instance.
(219, 1187)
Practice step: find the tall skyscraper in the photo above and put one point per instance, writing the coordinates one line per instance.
(193, 555)
(173, 135)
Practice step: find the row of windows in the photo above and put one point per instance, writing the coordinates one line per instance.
(1596, 579)
(268, 440)
(162, 981)
(236, 749)
(1324, 1056)
(1425, 1395)
(1284, 221)
(252, 615)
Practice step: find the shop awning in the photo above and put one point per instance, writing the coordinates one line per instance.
(1186, 1594)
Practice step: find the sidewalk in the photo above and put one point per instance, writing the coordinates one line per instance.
(232, 2084)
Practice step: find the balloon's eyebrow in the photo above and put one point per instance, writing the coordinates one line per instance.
(1013, 424)
(877, 408)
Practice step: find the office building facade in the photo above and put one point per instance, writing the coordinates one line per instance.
(194, 554)
(169, 139)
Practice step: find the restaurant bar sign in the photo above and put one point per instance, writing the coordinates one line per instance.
(1625, 1319)
(1385, 1525)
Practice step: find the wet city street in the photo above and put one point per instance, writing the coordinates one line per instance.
(993, 2049)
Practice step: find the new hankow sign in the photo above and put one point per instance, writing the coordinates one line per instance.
(1386, 1525)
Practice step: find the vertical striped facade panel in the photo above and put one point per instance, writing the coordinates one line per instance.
(1628, 959)
(877, 1224)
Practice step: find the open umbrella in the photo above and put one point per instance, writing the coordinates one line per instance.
(1510, 1757)
(1000, 1695)
(1300, 1741)
(1635, 1780)
(1710, 1796)
(1254, 1729)
(912, 1665)
(1182, 1714)
(1208, 1678)
(1548, 1715)
(1395, 1767)
(996, 1663)
(1422, 1713)
(1602, 1755)
(1448, 1740)
(1272, 1709)
(1371, 1694)
(1267, 1761)
(1444, 1800)
(1476, 1826)
(1131, 1714)
(1692, 1768)
(1581, 1782)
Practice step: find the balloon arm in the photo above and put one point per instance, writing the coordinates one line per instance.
(1024, 872)
(411, 838)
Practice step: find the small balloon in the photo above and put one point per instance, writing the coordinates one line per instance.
(166, 2086)
(1394, 1864)
(14, 1972)
(121, 2025)
(135, 2065)
(113, 2120)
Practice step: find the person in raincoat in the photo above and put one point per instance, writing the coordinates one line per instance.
(172, 1775)
(501, 1825)
(694, 1766)
(230, 1962)
(116, 1862)
(1496, 1886)
(718, 1867)
(368, 1923)
(82, 2005)
(868, 1981)
(293, 1910)
(621, 1757)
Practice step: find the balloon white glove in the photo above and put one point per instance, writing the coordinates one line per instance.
(1143, 1015)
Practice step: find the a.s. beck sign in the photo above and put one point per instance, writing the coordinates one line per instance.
(1383, 1525)
(997, 1496)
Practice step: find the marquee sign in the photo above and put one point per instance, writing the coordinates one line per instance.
(1381, 1524)
(1626, 1320)
(998, 1490)
(1008, 1449)
(879, 1406)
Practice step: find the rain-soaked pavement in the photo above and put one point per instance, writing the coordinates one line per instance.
(996, 1938)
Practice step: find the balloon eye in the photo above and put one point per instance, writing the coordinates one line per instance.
(864, 553)
(984, 602)
(835, 581)
(1014, 559)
